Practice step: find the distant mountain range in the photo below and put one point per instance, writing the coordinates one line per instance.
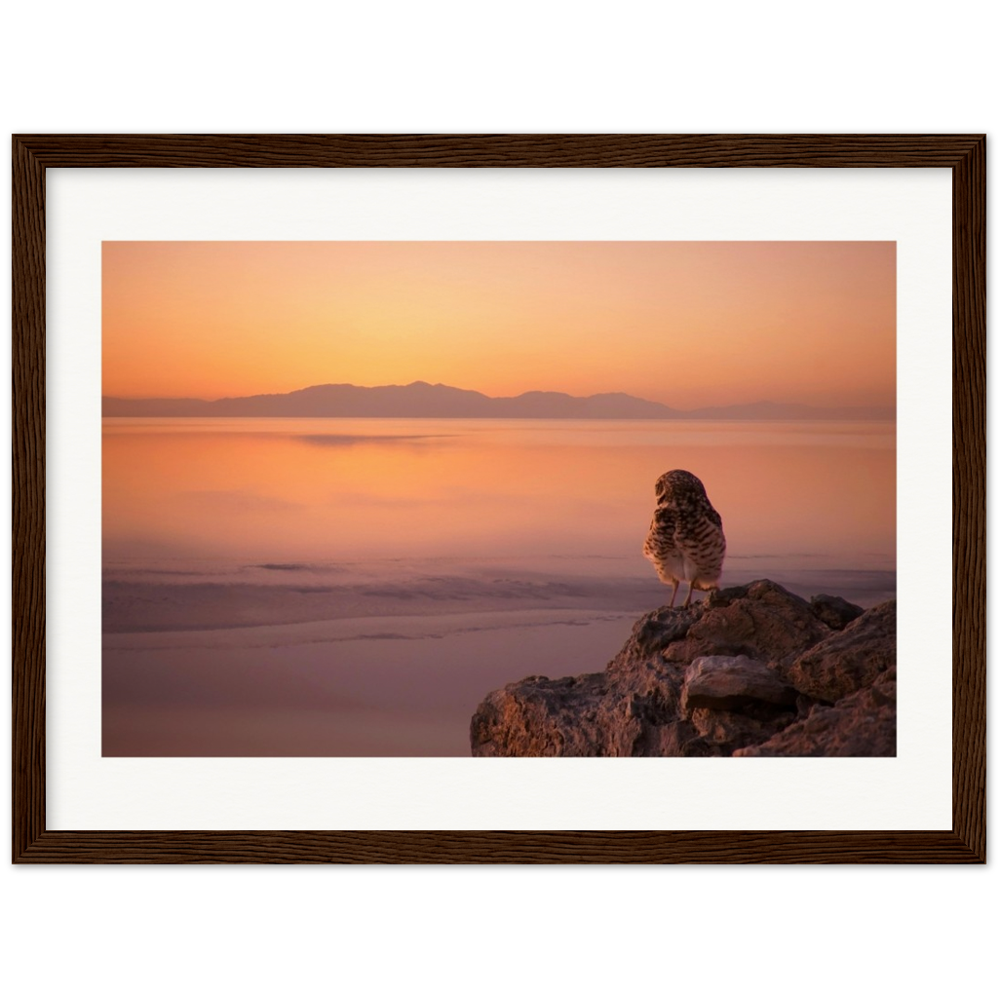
(420, 399)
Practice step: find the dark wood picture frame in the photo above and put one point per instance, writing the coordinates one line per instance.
(964, 155)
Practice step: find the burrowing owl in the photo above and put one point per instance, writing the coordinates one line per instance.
(685, 540)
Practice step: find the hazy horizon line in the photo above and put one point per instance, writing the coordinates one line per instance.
(750, 401)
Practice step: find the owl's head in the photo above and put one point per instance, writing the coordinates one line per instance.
(678, 484)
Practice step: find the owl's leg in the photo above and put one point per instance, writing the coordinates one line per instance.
(673, 594)
(687, 600)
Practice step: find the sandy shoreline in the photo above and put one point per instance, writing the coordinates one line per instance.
(335, 688)
(333, 662)
(151, 605)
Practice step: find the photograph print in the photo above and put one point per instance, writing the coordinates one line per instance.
(439, 499)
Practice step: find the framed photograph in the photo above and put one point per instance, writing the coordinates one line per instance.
(499, 499)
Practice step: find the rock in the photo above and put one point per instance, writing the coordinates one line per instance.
(860, 725)
(761, 620)
(835, 611)
(745, 672)
(730, 682)
(594, 715)
(848, 660)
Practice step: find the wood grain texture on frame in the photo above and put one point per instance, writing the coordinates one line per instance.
(964, 155)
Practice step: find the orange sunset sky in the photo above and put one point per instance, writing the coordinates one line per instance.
(686, 324)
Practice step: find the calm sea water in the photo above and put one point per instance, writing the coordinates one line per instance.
(325, 587)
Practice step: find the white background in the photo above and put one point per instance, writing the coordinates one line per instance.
(778, 65)
(540, 61)
(911, 791)
(387, 938)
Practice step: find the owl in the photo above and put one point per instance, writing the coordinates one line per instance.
(685, 540)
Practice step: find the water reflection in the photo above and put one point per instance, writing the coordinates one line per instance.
(312, 490)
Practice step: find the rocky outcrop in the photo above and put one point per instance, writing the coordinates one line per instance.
(752, 671)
